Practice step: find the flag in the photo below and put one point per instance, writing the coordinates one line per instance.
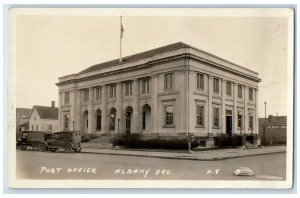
(122, 29)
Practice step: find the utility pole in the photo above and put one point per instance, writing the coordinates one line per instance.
(266, 122)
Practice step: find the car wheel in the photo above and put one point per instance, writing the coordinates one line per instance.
(68, 148)
(42, 147)
(53, 150)
(35, 147)
(23, 147)
(77, 150)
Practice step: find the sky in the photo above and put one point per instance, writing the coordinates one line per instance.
(51, 46)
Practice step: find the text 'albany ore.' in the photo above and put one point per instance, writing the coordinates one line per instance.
(144, 172)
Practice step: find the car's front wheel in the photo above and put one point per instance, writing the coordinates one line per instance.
(68, 148)
(23, 147)
(42, 147)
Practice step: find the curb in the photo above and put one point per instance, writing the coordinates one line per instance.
(182, 158)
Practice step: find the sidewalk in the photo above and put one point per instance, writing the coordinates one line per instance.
(208, 155)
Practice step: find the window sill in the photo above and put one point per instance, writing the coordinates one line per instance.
(216, 127)
(169, 126)
(199, 126)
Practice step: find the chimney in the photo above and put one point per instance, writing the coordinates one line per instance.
(53, 104)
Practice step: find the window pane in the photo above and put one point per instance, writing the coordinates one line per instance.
(240, 91)
(200, 115)
(228, 88)
(216, 85)
(169, 115)
(216, 117)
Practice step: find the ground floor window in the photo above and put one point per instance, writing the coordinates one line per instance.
(66, 120)
(144, 120)
(169, 115)
(240, 117)
(200, 115)
(216, 117)
(250, 121)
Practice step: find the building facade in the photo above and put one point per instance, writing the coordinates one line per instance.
(22, 117)
(272, 129)
(172, 90)
(44, 118)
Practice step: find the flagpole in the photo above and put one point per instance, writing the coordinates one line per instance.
(120, 39)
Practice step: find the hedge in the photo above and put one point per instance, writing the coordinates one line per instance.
(136, 141)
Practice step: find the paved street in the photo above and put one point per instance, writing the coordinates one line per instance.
(38, 165)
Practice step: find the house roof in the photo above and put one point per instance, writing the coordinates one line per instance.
(23, 112)
(137, 56)
(25, 124)
(46, 112)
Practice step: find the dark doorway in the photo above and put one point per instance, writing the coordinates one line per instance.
(128, 122)
(229, 125)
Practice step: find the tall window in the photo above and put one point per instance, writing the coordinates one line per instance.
(216, 117)
(200, 115)
(112, 91)
(98, 120)
(216, 85)
(98, 93)
(67, 98)
(250, 94)
(145, 86)
(240, 91)
(128, 88)
(240, 117)
(200, 81)
(66, 121)
(228, 89)
(86, 95)
(112, 125)
(250, 121)
(169, 115)
(169, 81)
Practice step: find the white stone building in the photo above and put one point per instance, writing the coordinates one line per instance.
(172, 90)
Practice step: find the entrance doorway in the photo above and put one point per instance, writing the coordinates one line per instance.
(85, 120)
(229, 122)
(128, 118)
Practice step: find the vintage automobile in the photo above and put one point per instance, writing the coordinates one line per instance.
(68, 140)
(31, 139)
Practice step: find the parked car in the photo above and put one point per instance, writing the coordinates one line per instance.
(68, 140)
(31, 139)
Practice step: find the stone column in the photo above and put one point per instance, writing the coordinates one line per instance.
(235, 111)
(119, 107)
(210, 93)
(79, 111)
(154, 109)
(59, 111)
(91, 111)
(223, 116)
(246, 113)
(256, 127)
(104, 109)
(136, 106)
(73, 109)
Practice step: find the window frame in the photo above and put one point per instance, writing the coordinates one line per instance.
(128, 88)
(216, 85)
(201, 115)
(168, 82)
(216, 116)
(200, 81)
(166, 117)
(98, 93)
(113, 91)
(228, 89)
(66, 123)
(240, 91)
(251, 95)
(240, 120)
(67, 98)
(145, 86)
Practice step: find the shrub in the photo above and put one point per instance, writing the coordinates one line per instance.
(229, 141)
(136, 141)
